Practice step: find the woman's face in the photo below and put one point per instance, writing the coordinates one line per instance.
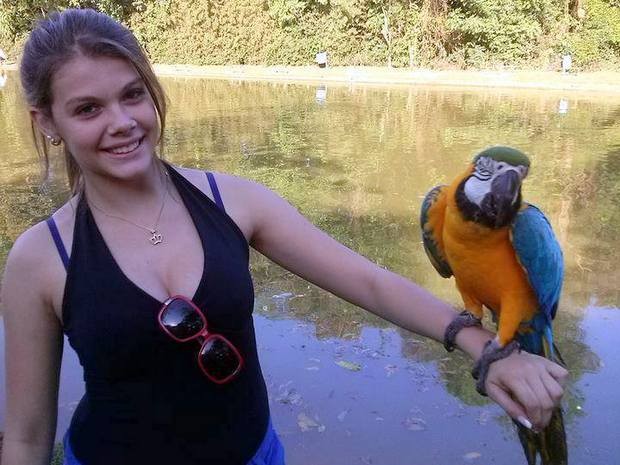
(103, 112)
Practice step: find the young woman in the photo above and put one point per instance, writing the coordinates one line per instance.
(147, 258)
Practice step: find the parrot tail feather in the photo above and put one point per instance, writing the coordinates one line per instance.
(558, 356)
(529, 442)
(550, 443)
(551, 352)
(553, 441)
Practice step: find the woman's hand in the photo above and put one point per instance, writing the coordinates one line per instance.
(527, 387)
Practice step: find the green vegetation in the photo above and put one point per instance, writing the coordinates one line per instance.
(436, 33)
(57, 455)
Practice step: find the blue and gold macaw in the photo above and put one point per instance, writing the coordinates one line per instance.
(503, 255)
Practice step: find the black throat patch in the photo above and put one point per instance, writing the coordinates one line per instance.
(472, 212)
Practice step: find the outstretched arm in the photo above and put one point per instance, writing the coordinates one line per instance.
(278, 231)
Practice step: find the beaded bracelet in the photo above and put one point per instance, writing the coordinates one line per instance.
(464, 320)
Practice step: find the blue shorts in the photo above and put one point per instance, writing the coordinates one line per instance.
(270, 451)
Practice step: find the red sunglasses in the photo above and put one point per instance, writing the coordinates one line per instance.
(218, 358)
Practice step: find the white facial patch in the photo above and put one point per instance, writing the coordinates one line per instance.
(476, 189)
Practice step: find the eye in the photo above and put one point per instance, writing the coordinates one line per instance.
(500, 166)
(87, 109)
(135, 94)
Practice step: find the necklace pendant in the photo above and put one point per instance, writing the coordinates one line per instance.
(156, 237)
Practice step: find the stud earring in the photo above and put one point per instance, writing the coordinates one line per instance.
(55, 141)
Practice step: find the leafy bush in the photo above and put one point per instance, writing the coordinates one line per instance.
(464, 33)
(508, 32)
(596, 42)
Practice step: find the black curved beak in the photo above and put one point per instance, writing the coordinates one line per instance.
(500, 203)
(506, 187)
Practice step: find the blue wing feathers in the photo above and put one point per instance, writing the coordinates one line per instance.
(539, 253)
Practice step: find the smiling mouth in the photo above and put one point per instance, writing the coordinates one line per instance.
(125, 149)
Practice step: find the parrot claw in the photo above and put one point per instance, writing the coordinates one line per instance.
(464, 319)
(492, 352)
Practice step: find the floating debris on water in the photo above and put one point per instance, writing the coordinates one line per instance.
(349, 365)
(307, 424)
(289, 395)
(415, 424)
(471, 456)
(390, 369)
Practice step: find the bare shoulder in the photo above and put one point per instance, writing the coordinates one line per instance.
(224, 180)
(197, 177)
(30, 249)
(227, 183)
(34, 267)
(27, 264)
(64, 218)
(243, 199)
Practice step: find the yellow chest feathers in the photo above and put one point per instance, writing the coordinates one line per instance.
(484, 263)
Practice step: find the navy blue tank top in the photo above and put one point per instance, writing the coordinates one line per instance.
(146, 400)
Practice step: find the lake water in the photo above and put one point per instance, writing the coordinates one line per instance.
(358, 161)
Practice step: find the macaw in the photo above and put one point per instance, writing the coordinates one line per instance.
(504, 256)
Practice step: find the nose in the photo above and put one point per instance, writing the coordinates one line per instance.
(121, 122)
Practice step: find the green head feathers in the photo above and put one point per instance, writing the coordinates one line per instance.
(508, 155)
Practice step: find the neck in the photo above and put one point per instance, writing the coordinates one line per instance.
(135, 197)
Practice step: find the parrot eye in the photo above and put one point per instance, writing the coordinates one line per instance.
(484, 164)
(500, 167)
(484, 169)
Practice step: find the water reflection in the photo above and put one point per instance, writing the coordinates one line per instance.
(359, 166)
(321, 94)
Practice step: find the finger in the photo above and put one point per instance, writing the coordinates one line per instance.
(525, 395)
(512, 408)
(545, 403)
(554, 389)
(559, 373)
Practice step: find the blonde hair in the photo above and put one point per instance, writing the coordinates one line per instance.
(62, 36)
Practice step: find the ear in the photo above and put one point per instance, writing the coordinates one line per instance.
(44, 121)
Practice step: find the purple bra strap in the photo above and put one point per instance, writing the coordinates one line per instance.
(215, 190)
(51, 224)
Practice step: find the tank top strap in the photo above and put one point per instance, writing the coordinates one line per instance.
(215, 190)
(51, 224)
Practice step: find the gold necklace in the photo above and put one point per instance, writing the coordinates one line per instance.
(156, 236)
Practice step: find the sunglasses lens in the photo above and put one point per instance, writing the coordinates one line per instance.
(181, 319)
(219, 358)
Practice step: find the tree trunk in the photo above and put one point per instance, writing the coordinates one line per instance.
(576, 9)
(387, 35)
